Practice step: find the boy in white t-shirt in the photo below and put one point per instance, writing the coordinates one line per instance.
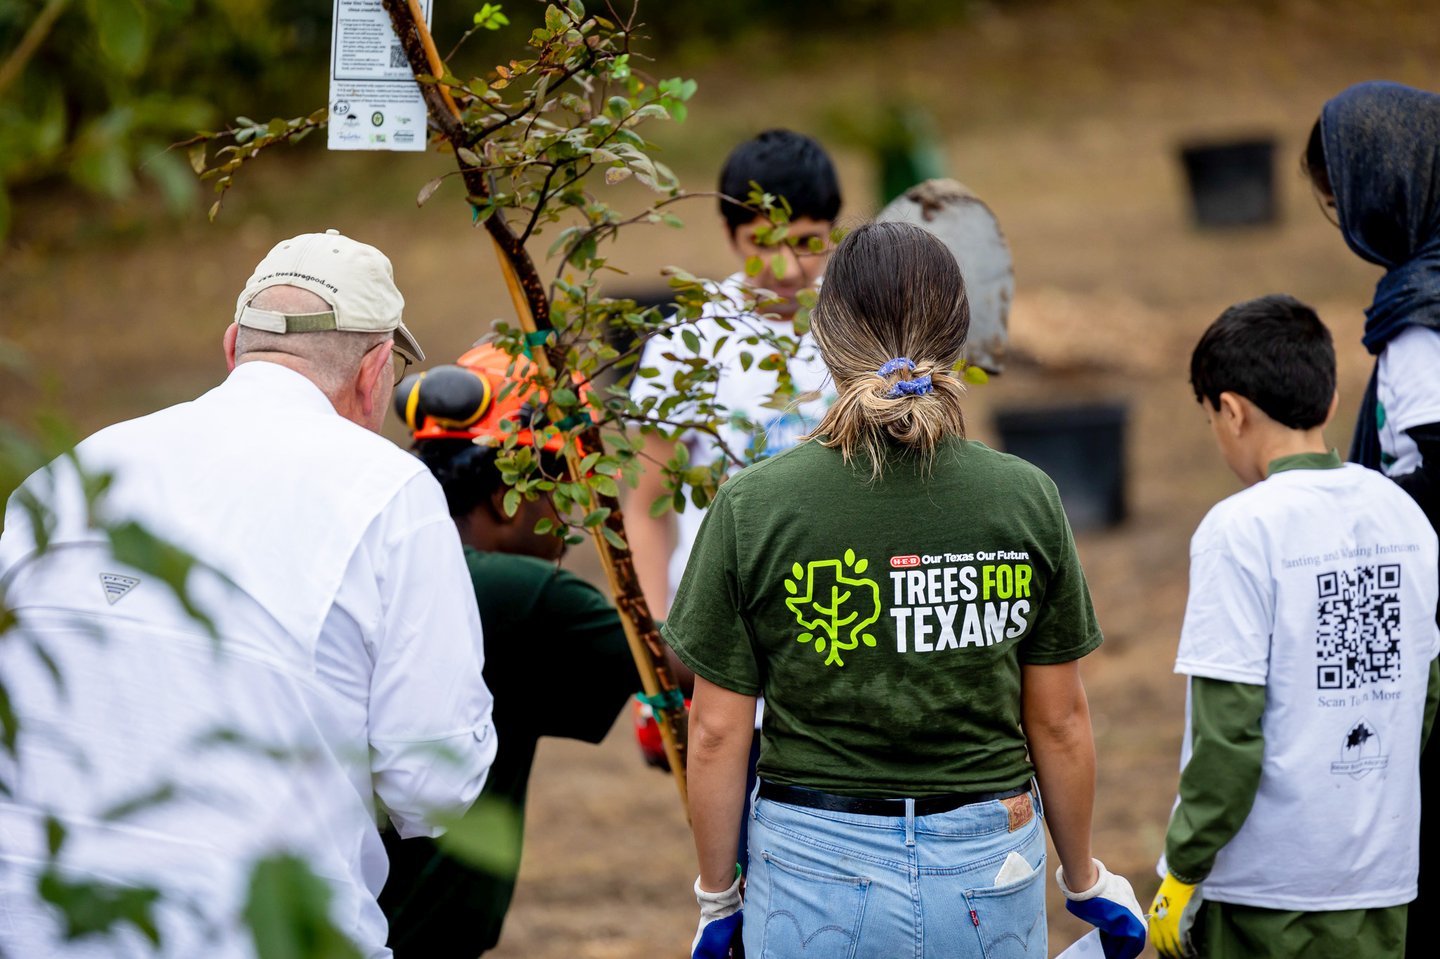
(796, 168)
(1310, 645)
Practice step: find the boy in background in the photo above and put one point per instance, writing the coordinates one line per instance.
(795, 167)
(1310, 645)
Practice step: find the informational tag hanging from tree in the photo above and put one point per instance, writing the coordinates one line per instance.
(375, 103)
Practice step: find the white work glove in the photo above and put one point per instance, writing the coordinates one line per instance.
(719, 921)
(1111, 907)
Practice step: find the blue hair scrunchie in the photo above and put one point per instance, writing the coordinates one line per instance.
(916, 387)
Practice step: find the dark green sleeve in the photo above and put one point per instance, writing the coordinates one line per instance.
(1218, 784)
(706, 625)
(1432, 699)
(1065, 625)
(583, 658)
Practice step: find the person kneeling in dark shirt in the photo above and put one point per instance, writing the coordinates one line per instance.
(550, 638)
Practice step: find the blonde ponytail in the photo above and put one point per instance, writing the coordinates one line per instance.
(890, 324)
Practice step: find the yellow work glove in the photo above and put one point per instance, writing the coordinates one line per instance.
(1172, 918)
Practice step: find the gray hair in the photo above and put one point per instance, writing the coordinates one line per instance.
(330, 358)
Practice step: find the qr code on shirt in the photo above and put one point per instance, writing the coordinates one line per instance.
(1357, 639)
(397, 57)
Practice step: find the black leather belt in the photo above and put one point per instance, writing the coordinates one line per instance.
(926, 806)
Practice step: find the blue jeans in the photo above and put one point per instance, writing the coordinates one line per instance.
(831, 885)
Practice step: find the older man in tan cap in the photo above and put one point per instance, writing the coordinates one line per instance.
(345, 659)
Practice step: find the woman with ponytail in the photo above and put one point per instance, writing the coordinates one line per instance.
(910, 605)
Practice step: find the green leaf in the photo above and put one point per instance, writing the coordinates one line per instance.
(606, 486)
(54, 835)
(754, 266)
(122, 31)
(692, 341)
(613, 538)
(977, 376)
(288, 912)
(133, 545)
(158, 796)
(90, 908)
(490, 18)
(595, 517)
(660, 506)
(9, 722)
(486, 837)
(511, 503)
(101, 162)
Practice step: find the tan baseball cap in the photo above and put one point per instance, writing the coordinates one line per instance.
(354, 278)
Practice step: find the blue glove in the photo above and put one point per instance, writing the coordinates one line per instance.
(719, 929)
(1111, 907)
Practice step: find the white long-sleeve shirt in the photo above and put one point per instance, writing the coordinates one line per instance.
(345, 665)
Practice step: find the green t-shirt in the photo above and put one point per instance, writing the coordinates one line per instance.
(885, 623)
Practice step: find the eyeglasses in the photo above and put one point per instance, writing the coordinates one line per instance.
(399, 364)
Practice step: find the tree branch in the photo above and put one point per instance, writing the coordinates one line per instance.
(14, 64)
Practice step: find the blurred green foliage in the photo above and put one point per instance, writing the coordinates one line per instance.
(287, 910)
(94, 90)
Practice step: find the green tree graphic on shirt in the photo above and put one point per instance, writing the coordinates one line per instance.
(827, 600)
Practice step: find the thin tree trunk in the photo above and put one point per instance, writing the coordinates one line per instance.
(532, 307)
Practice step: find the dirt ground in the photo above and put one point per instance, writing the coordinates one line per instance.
(1065, 117)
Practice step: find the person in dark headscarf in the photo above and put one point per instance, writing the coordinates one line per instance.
(1374, 159)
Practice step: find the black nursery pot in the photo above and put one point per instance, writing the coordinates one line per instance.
(1082, 448)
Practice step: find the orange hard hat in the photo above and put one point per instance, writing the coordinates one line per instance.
(469, 400)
